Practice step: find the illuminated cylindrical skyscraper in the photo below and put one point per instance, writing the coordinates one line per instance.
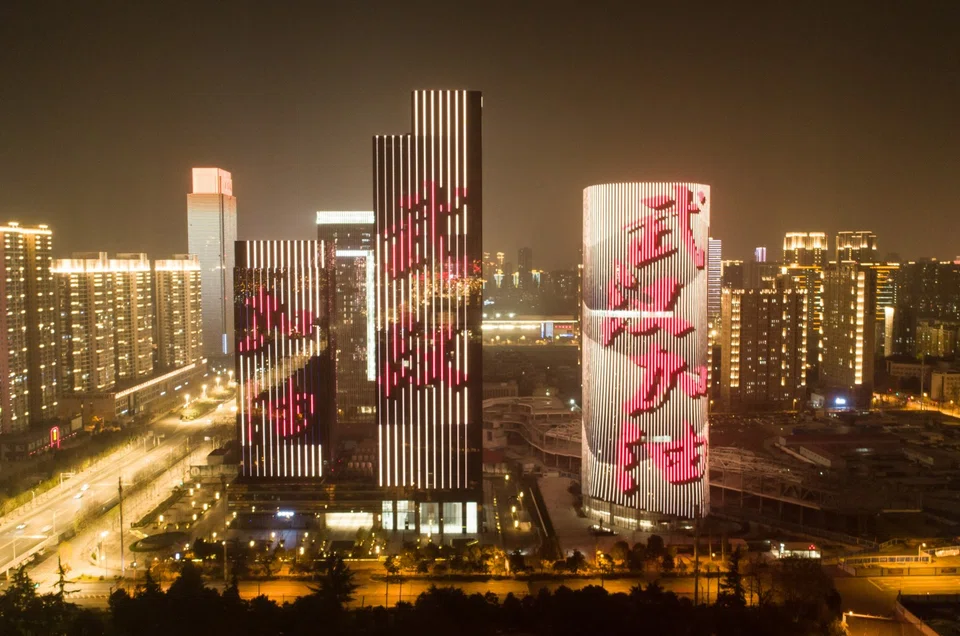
(644, 326)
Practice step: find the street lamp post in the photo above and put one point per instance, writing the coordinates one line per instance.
(224, 561)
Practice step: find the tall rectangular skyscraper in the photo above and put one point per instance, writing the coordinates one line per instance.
(132, 315)
(284, 359)
(714, 279)
(179, 318)
(428, 200)
(211, 233)
(351, 234)
(28, 360)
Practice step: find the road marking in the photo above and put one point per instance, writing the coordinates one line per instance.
(876, 585)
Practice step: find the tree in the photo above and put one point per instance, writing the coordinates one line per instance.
(620, 553)
(655, 546)
(576, 562)
(732, 592)
(638, 557)
(391, 564)
(337, 585)
(517, 561)
(667, 563)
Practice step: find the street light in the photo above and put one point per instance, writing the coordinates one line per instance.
(186, 399)
(224, 557)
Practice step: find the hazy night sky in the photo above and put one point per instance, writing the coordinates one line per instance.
(808, 118)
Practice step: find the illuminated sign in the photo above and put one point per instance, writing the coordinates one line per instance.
(645, 345)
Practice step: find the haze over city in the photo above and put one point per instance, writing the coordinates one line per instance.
(809, 115)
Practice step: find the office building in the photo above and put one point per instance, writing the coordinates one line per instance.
(132, 316)
(804, 249)
(731, 276)
(859, 247)
(525, 268)
(351, 234)
(286, 385)
(428, 200)
(86, 322)
(179, 324)
(763, 348)
(760, 255)
(28, 359)
(848, 328)
(714, 278)
(211, 233)
(645, 335)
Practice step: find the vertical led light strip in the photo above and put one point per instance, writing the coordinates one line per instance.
(646, 438)
(427, 295)
(287, 395)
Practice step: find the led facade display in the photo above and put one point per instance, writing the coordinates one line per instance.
(428, 204)
(645, 437)
(284, 357)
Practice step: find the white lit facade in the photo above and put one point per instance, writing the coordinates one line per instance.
(179, 314)
(211, 233)
(28, 360)
(645, 334)
(284, 359)
(428, 204)
(714, 278)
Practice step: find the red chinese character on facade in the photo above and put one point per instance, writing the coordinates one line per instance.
(680, 461)
(684, 205)
(628, 459)
(664, 371)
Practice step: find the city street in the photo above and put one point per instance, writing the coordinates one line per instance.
(93, 488)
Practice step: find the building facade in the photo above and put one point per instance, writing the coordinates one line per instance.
(859, 247)
(28, 359)
(763, 348)
(848, 327)
(133, 318)
(178, 299)
(645, 351)
(351, 233)
(804, 249)
(428, 200)
(86, 324)
(211, 233)
(714, 278)
(286, 385)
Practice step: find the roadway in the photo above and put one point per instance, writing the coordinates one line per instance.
(76, 498)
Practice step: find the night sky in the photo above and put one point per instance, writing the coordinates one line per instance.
(820, 116)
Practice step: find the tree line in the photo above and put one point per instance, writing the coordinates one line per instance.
(804, 603)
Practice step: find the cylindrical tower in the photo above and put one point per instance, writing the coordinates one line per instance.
(645, 436)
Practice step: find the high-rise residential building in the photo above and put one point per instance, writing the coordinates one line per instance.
(132, 315)
(284, 359)
(179, 323)
(885, 278)
(760, 255)
(859, 247)
(351, 234)
(763, 348)
(428, 200)
(86, 322)
(28, 358)
(731, 275)
(849, 317)
(714, 278)
(927, 290)
(524, 268)
(804, 249)
(645, 334)
(211, 233)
